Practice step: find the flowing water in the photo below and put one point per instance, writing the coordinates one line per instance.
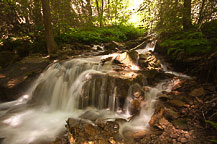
(70, 89)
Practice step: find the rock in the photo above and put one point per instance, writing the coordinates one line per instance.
(120, 120)
(111, 127)
(113, 46)
(163, 123)
(139, 134)
(180, 124)
(90, 130)
(131, 44)
(183, 140)
(135, 105)
(163, 97)
(80, 131)
(65, 52)
(149, 61)
(197, 92)
(90, 115)
(7, 57)
(128, 59)
(16, 78)
(170, 113)
(177, 103)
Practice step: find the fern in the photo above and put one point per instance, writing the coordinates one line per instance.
(215, 126)
(188, 43)
(212, 123)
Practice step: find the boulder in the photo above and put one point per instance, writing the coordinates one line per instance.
(149, 61)
(128, 59)
(17, 77)
(80, 131)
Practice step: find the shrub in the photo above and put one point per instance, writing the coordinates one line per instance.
(215, 126)
(186, 43)
(97, 35)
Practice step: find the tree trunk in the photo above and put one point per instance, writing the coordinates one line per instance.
(109, 12)
(101, 14)
(98, 11)
(89, 8)
(187, 23)
(201, 12)
(51, 44)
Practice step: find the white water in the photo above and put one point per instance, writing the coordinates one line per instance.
(69, 89)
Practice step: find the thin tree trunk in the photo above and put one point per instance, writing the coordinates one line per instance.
(187, 23)
(109, 15)
(201, 12)
(89, 8)
(98, 11)
(51, 44)
(101, 14)
(116, 9)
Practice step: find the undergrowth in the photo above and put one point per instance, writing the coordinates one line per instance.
(118, 33)
(198, 41)
(215, 126)
(186, 43)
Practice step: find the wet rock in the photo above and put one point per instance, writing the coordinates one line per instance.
(163, 123)
(90, 115)
(128, 59)
(111, 127)
(90, 130)
(149, 61)
(80, 131)
(139, 134)
(135, 105)
(163, 97)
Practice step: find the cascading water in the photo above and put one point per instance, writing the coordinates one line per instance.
(69, 89)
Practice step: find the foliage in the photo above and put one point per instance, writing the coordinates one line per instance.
(186, 43)
(23, 46)
(209, 30)
(97, 35)
(167, 15)
(215, 126)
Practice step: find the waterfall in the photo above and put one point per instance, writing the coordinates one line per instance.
(70, 89)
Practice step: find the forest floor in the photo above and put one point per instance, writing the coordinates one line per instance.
(180, 115)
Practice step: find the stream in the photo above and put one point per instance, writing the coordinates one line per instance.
(73, 89)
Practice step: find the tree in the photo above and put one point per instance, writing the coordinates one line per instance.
(51, 44)
(187, 22)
